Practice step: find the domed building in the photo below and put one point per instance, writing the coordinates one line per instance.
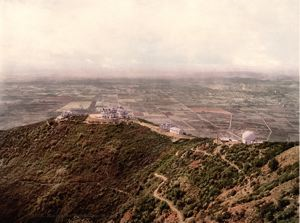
(248, 137)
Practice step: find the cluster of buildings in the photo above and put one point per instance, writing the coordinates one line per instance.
(118, 113)
(102, 115)
(113, 113)
(65, 115)
(168, 127)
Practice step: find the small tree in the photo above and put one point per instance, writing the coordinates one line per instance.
(273, 164)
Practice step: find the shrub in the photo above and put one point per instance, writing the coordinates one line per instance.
(222, 217)
(273, 164)
(259, 162)
(295, 190)
(163, 206)
(246, 167)
(287, 213)
(282, 203)
(267, 210)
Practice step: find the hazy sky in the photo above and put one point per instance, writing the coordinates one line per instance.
(118, 34)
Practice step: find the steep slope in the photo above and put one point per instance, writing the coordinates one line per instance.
(71, 168)
(212, 182)
(76, 172)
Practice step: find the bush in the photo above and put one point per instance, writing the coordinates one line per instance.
(222, 217)
(282, 203)
(259, 162)
(295, 190)
(246, 167)
(163, 206)
(267, 210)
(273, 164)
(287, 213)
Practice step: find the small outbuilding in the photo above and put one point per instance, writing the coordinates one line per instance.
(64, 116)
(176, 130)
(165, 126)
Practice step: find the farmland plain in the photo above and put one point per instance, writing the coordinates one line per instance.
(215, 107)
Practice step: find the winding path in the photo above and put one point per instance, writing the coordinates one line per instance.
(230, 163)
(170, 203)
(220, 155)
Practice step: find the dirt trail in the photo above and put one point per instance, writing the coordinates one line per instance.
(221, 156)
(122, 191)
(170, 203)
(230, 163)
(218, 153)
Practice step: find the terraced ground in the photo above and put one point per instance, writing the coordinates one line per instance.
(76, 172)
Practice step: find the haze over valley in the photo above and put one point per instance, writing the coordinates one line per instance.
(222, 107)
(149, 111)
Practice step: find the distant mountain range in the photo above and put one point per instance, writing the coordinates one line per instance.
(27, 75)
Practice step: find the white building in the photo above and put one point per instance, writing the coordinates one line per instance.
(176, 130)
(165, 126)
(248, 137)
(64, 115)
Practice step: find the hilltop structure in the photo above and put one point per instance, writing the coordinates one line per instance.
(248, 137)
(109, 115)
(176, 130)
(64, 116)
(113, 113)
(168, 127)
(165, 126)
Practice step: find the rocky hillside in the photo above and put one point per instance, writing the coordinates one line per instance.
(75, 172)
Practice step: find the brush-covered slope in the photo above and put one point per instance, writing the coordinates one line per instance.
(71, 168)
(75, 172)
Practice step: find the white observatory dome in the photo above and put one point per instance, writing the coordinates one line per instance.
(248, 137)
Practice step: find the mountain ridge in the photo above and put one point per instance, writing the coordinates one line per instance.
(77, 172)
